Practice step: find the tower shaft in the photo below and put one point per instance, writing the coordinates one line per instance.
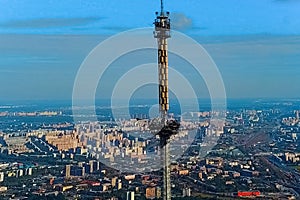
(164, 107)
(165, 156)
(162, 33)
(163, 77)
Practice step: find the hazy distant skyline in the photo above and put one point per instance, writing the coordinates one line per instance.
(255, 44)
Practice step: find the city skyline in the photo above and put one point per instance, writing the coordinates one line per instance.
(99, 102)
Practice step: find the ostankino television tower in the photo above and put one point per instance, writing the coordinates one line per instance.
(162, 33)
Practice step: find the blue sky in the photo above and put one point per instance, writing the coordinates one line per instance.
(217, 17)
(255, 43)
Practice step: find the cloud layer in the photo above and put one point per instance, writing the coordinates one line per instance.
(49, 22)
(180, 21)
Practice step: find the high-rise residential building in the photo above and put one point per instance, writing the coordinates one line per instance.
(150, 192)
(119, 185)
(91, 163)
(28, 171)
(68, 171)
(114, 181)
(130, 196)
(63, 141)
(1, 176)
(20, 172)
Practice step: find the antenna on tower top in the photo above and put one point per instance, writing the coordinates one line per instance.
(162, 7)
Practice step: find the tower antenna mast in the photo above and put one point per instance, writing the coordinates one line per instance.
(161, 7)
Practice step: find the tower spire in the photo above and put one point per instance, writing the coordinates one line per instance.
(162, 7)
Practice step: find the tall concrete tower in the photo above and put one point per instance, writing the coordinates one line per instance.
(162, 33)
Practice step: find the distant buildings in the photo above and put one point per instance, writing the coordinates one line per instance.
(68, 171)
(63, 140)
(186, 192)
(242, 163)
(153, 192)
(1, 176)
(130, 196)
(81, 169)
(16, 144)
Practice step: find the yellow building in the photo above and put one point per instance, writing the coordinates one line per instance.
(183, 172)
(63, 141)
(150, 193)
(68, 187)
